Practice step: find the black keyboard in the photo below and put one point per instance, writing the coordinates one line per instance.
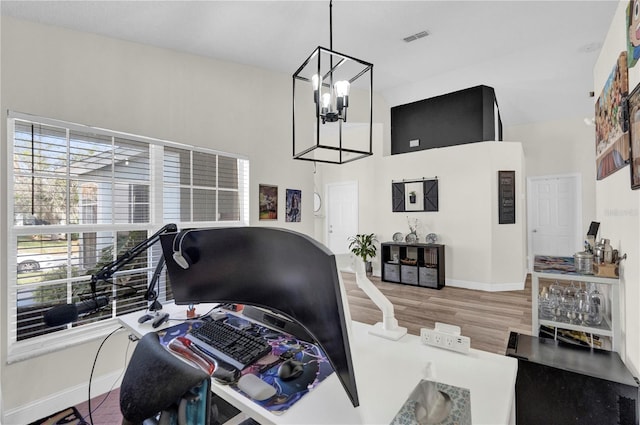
(233, 346)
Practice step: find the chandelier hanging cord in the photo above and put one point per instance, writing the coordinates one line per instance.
(338, 92)
(331, 39)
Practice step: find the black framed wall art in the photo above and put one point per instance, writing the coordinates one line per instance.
(634, 131)
(414, 195)
(506, 197)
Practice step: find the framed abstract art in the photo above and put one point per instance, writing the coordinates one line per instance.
(612, 133)
(268, 201)
(634, 133)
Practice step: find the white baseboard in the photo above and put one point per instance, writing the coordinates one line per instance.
(467, 284)
(72, 396)
(483, 286)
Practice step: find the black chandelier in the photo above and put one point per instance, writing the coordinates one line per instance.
(322, 87)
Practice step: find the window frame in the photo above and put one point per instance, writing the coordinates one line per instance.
(38, 345)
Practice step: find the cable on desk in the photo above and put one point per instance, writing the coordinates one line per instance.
(193, 318)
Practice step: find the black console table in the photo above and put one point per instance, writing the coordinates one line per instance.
(416, 264)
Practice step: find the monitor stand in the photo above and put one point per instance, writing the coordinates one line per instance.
(388, 328)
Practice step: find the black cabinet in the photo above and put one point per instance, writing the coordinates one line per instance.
(560, 383)
(415, 264)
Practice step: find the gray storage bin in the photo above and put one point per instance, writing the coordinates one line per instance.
(409, 274)
(429, 277)
(392, 272)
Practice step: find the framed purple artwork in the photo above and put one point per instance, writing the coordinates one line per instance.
(294, 201)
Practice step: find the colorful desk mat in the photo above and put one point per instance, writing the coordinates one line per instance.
(316, 364)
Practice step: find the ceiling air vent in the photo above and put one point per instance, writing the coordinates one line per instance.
(416, 36)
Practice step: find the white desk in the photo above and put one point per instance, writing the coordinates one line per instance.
(386, 372)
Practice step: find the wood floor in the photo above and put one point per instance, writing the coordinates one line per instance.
(486, 317)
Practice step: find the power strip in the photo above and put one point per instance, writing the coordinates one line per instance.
(447, 337)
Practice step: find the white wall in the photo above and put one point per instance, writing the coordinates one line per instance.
(617, 206)
(92, 80)
(558, 148)
(480, 253)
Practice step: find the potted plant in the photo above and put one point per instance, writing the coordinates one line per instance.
(412, 197)
(364, 247)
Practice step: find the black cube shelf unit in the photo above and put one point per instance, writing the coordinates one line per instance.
(416, 264)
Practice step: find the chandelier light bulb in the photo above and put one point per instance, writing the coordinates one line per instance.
(342, 98)
(326, 100)
(342, 88)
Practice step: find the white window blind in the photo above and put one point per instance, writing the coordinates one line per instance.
(82, 197)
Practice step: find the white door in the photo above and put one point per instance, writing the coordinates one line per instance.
(342, 215)
(555, 216)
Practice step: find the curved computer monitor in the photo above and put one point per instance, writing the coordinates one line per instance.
(280, 270)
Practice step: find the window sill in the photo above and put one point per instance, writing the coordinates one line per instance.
(25, 350)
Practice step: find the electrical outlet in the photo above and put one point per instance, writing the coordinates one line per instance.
(448, 341)
(437, 339)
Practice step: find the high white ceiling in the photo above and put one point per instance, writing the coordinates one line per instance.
(538, 55)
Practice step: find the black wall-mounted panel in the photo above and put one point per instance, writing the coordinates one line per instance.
(506, 197)
(397, 197)
(464, 116)
(429, 195)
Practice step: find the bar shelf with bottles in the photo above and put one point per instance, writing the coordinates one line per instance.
(553, 273)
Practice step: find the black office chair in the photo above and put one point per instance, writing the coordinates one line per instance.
(157, 383)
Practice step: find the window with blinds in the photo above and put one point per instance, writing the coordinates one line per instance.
(81, 198)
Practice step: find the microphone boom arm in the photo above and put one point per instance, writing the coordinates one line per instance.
(151, 294)
(108, 270)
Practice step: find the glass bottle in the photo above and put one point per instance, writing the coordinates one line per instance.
(596, 307)
(608, 252)
(598, 253)
(569, 303)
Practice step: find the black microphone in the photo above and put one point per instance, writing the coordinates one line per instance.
(67, 313)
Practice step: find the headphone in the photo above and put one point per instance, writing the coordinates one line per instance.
(181, 258)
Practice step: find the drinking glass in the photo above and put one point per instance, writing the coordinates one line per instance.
(582, 305)
(545, 304)
(555, 294)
